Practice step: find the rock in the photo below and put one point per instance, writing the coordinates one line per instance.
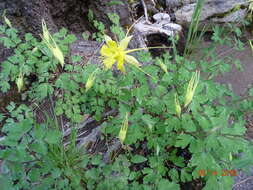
(34, 11)
(173, 3)
(57, 14)
(101, 8)
(243, 180)
(173, 27)
(88, 50)
(26, 15)
(233, 17)
(213, 10)
(161, 16)
(12, 7)
(142, 29)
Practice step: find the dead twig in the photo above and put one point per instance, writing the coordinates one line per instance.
(145, 11)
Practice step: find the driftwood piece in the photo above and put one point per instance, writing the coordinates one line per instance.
(162, 26)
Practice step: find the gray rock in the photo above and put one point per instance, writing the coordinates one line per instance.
(173, 3)
(142, 29)
(34, 11)
(11, 6)
(233, 17)
(101, 8)
(161, 16)
(213, 11)
(88, 50)
(243, 181)
(178, 3)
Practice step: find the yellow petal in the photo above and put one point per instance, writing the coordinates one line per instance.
(124, 43)
(105, 51)
(108, 62)
(130, 59)
(120, 65)
(112, 45)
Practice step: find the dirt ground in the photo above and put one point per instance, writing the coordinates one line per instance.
(240, 81)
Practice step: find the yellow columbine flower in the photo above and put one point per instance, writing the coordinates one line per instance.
(113, 52)
(20, 82)
(177, 106)
(51, 44)
(191, 88)
(123, 129)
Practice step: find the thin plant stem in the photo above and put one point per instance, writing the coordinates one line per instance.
(193, 29)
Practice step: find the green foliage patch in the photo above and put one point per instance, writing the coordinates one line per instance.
(162, 149)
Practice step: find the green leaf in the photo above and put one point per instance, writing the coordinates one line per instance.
(28, 36)
(138, 159)
(70, 38)
(149, 121)
(6, 183)
(63, 32)
(96, 159)
(188, 124)
(7, 42)
(166, 185)
(43, 90)
(76, 58)
(5, 86)
(173, 173)
(34, 174)
(242, 163)
(39, 132)
(114, 2)
(185, 176)
(39, 147)
(183, 140)
(53, 136)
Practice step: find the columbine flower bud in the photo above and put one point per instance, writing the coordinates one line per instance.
(250, 43)
(51, 44)
(34, 49)
(20, 82)
(123, 129)
(177, 106)
(163, 67)
(90, 81)
(45, 31)
(191, 88)
(57, 53)
(230, 156)
(6, 20)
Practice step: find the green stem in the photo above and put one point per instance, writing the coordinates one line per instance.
(138, 49)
